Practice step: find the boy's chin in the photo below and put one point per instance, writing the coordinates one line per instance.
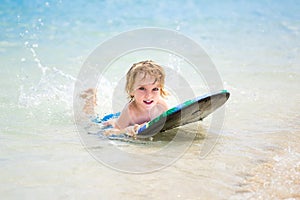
(148, 106)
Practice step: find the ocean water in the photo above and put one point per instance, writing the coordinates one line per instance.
(255, 48)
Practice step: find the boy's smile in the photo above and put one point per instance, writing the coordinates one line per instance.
(148, 102)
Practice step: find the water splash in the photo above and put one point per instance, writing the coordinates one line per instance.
(52, 89)
(54, 86)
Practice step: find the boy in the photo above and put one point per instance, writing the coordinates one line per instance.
(145, 88)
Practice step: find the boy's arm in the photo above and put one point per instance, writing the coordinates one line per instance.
(124, 120)
(164, 104)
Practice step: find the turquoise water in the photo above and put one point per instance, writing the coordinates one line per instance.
(255, 48)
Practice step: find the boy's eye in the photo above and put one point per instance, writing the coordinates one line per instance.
(155, 89)
(141, 88)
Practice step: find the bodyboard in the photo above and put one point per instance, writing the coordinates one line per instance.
(188, 112)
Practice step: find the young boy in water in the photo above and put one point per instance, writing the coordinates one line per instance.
(145, 88)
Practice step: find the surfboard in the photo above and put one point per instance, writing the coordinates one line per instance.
(185, 113)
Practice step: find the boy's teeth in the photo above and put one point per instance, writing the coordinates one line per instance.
(148, 102)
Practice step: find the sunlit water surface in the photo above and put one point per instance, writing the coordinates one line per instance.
(255, 48)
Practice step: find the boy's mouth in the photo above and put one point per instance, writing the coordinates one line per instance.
(148, 102)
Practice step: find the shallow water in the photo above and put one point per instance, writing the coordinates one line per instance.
(255, 48)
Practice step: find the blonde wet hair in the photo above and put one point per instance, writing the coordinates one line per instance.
(146, 68)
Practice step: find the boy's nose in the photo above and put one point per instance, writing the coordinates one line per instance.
(147, 94)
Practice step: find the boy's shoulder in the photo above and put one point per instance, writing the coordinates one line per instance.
(163, 103)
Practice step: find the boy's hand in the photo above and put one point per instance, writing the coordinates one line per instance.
(114, 131)
(130, 130)
(111, 122)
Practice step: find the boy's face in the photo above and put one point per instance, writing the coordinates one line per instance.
(146, 91)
